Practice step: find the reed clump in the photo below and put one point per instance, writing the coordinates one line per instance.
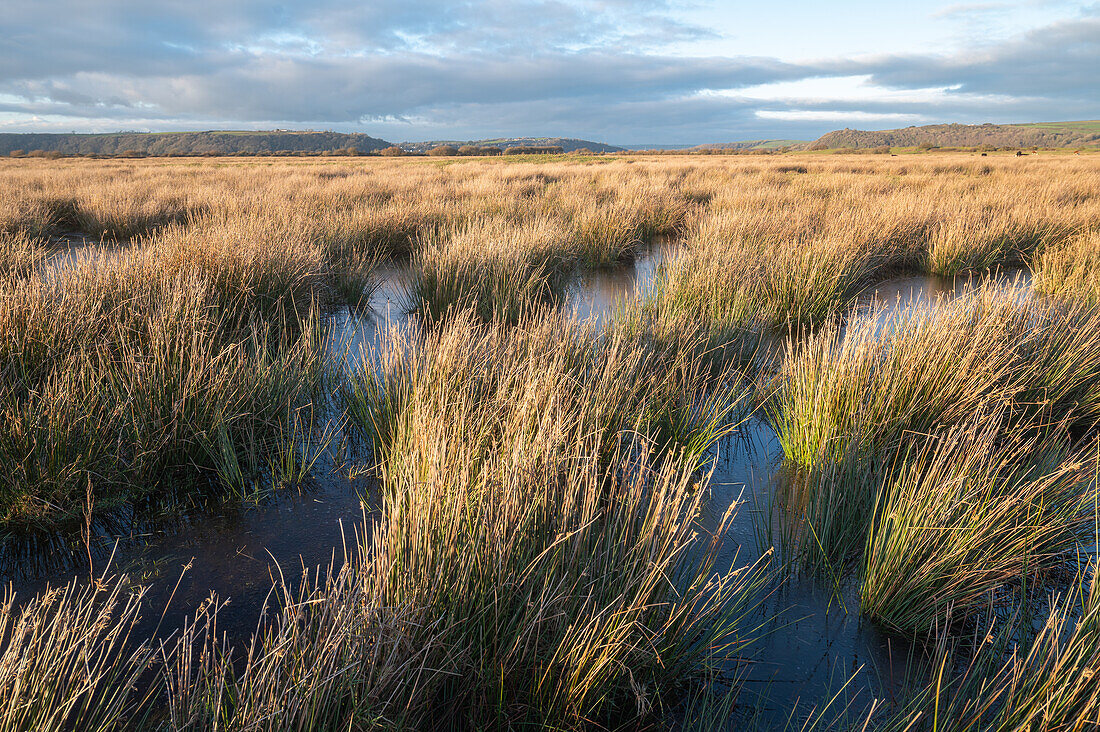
(20, 253)
(496, 269)
(854, 404)
(852, 391)
(1007, 236)
(268, 264)
(142, 380)
(1071, 269)
(734, 277)
(69, 658)
(521, 460)
(535, 589)
(551, 373)
(972, 511)
(612, 231)
(1014, 677)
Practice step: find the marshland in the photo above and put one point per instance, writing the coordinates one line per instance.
(574, 442)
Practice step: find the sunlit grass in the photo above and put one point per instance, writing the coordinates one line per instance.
(968, 513)
(538, 556)
(1071, 269)
(496, 269)
(137, 381)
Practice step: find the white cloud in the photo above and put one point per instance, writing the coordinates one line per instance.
(971, 9)
(826, 115)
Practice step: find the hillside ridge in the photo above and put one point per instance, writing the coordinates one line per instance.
(1038, 134)
(567, 144)
(220, 142)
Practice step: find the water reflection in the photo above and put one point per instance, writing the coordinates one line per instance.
(812, 638)
(73, 250)
(595, 295)
(901, 293)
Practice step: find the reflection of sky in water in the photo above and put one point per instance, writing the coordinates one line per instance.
(597, 294)
(899, 293)
(812, 642)
(71, 251)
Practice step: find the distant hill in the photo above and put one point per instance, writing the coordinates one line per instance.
(190, 143)
(752, 145)
(1041, 134)
(714, 146)
(658, 146)
(567, 144)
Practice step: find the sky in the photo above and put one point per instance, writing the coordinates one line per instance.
(618, 71)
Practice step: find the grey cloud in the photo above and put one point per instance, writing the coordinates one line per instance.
(1059, 60)
(343, 89)
(43, 39)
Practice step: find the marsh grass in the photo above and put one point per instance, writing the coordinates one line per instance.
(1013, 676)
(552, 373)
(538, 563)
(354, 276)
(532, 594)
(1071, 269)
(853, 404)
(69, 659)
(607, 235)
(944, 215)
(20, 253)
(820, 516)
(971, 512)
(269, 265)
(139, 380)
(493, 268)
(534, 577)
(539, 559)
(740, 279)
(851, 391)
(995, 239)
(718, 345)
(301, 443)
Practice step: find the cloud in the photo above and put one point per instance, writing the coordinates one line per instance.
(960, 10)
(433, 68)
(347, 89)
(839, 116)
